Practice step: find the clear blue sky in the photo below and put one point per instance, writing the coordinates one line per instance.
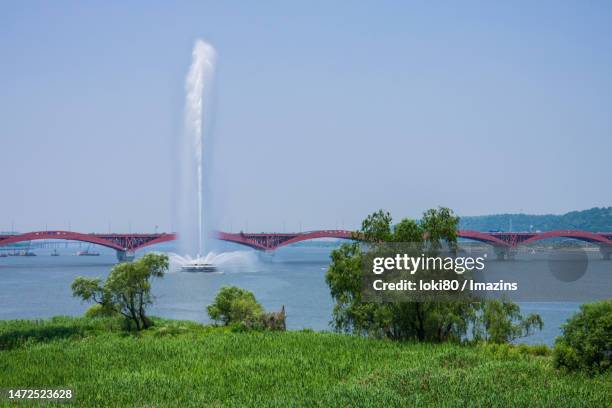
(325, 111)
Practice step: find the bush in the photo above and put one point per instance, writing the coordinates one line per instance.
(99, 310)
(238, 308)
(273, 320)
(586, 343)
(501, 321)
(234, 305)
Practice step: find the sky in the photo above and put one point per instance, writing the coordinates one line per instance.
(323, 112)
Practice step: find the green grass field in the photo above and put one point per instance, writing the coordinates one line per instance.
(183, 364)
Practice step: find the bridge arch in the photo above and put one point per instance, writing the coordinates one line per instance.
(585, 236)
(268, 242)
(482, 237)
(240, 238)
(122, 243)
(341, 234)
(66, 235)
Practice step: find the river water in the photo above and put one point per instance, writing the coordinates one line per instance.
(39, 287)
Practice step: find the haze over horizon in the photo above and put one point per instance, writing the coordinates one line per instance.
(323, 112)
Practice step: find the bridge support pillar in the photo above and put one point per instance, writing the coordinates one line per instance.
(500, 252)
(125, 256)
(510, 253)
(504, 253)
(606, 251)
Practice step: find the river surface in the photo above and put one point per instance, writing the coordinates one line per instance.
(39, 287)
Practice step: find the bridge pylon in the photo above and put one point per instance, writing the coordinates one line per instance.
(504, 253)
(125, 256)
(606, 252)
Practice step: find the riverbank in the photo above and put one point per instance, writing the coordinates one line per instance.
(179, 363)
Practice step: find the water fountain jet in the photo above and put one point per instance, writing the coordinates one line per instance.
(192, 200)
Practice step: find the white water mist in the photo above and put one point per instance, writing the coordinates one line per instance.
(234, 261)
(192, 224)
(194, 209)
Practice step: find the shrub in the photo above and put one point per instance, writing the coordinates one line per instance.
(586, 343)
(238, 308)
(99, 310)
(234, 305)
(501, 321)
(273, 320)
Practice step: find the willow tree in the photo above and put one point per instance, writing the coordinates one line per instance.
(428, 320)
(127, 289)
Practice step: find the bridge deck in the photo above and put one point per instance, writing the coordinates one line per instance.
(271, 241)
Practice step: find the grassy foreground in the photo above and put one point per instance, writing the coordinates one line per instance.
(184, 364)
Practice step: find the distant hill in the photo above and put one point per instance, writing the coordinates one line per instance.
(594, 220)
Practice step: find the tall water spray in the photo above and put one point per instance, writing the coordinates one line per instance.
(194, 209)
(192, 227)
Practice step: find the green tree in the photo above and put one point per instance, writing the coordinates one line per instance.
(422, 321)
(501, 321)
(377, 227)
(440, 225)
(127, 288)
(408, 231)
(234, 305)
(586, 343)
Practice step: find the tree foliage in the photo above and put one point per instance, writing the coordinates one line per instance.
(233, 305)
(501, 321)
(422, 321)
(238, 308)
(127, 290)
(594, 219)
(97, 310)
(586, 343)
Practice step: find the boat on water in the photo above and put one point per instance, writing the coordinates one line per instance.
(87, 253)
(3, 255)
(27, 253)
(55, 253)
(198, 267)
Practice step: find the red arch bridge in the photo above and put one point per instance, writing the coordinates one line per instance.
(126, 244)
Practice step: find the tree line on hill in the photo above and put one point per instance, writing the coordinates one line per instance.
(594, 220)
